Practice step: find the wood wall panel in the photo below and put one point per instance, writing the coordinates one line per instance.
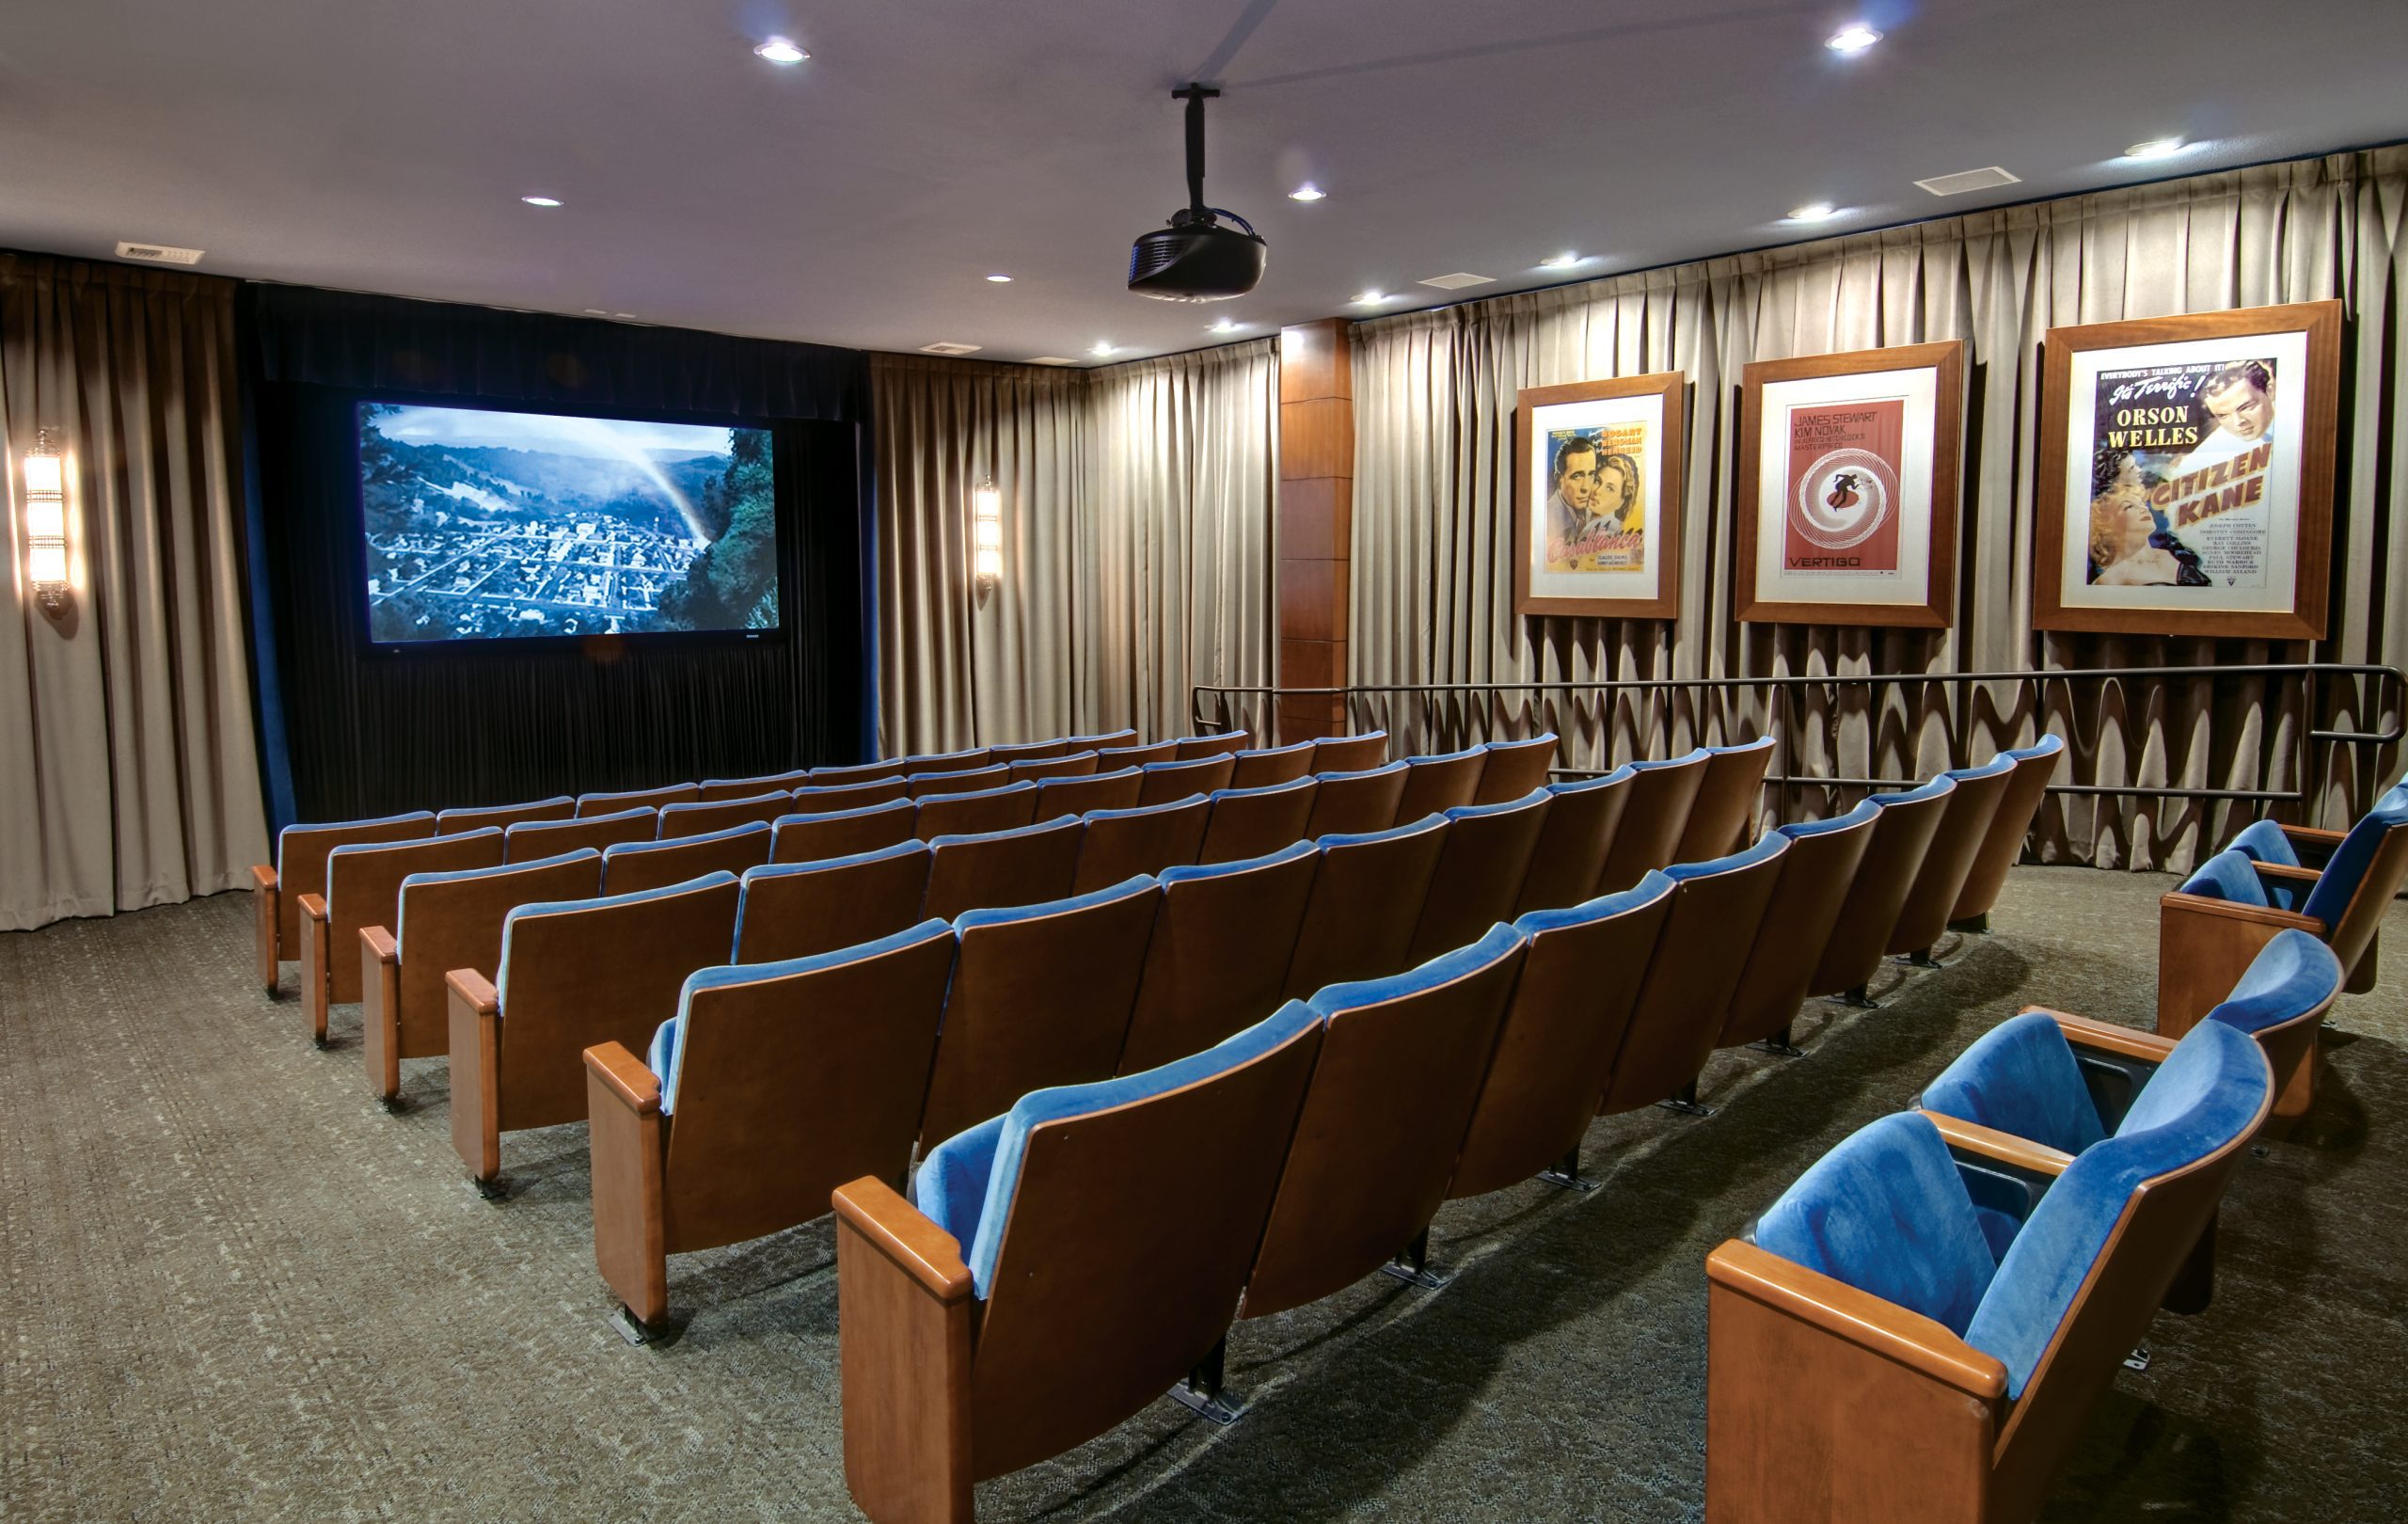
(1316, 520)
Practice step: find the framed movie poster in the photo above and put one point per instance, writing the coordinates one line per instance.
(1848, 479)
(2186, 474)
(1597, 497)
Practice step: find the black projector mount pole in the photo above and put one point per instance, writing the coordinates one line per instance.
(1194, 95)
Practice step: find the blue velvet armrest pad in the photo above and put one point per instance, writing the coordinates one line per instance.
(2292, 975)
(2048, 745)
(806, 817)
(2021, 1078)
(1757, 745)
(823, 865)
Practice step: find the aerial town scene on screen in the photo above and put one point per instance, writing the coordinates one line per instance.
(486, 525)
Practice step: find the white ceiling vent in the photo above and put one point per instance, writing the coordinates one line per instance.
(950, 349)
(1458, 280)
(158, 253)
(1052, 359)
(1971, 179)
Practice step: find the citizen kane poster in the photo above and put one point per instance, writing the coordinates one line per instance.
(1597, 512)
(2191, 484)
(1842, 506)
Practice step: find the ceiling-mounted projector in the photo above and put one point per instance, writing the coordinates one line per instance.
(1195, 258)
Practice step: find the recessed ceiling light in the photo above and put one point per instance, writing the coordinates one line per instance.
(1854, 39)
(2156, 148)
(1370, 298)
(1306, 192)
(1226, 325)
(781, 50)
(1001, 279)
(1813, 212)
(630, 316)
(1560, 262)
(1101, 347)
(540, 200)
(596, 311)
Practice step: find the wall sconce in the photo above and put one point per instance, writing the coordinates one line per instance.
(986, 532)
(44, 513)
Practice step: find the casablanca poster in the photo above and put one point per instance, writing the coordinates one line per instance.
(1598, 498)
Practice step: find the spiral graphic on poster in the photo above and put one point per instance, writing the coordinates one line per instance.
(1843, 498)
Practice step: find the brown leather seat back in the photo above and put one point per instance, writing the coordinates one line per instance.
(1218, 959)
(1140, 1240)
(1718, 908)
(1729, 797)
(1559, 1034)
(1354, 803)
(1816, 876)
(1006, 808)
(720, 790)
(637, 799)
(1945, 864)
(2034, 765)
(1030, 750)
(1479, 871)
(800, 909)
(301, 862)
(1653, 820)
(826, 799)
(1114, 790)
(455, 921)
(1253, 822)
(1024, 865)
(1436, 783)
(1069, 765)
(1515, 768)
(965, 780)
(812, 838)
(1040, 996)
(1402, 1060)
(580, 973)
(1901, 834)
(1349, 754)
(1163, 782)
(502, 816)
(1570, 854)
(1367, 898)
(364, 889)
(1218, 743)
(1122, 843)
(532, 841)
(1272, 765)
(636, 866)
(701, 819)
(1110, 758)
(792, 1078)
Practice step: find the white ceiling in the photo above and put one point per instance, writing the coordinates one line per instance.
(862, 197)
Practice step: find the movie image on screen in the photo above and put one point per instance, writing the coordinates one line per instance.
(486, 525)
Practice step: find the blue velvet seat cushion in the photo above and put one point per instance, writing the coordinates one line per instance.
(380, 820)
(1509, 806)
(2292, 975)
(1770, 845)
(2228, 876)
(2209, 1093)
(2020, 1077)
(750, 828)
(565, 907)
(1934, 789)
(663, 1055)
(967, 1183)
(1190, 872)
(1646, 891)
(1886, 1212)
(1500, 943)
(401, 923)
(1864, 814)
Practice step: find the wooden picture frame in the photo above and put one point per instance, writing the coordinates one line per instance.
(2166, 408)
(1864, 451)
(1637, 426)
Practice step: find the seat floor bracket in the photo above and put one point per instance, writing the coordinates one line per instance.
(1202, 1393)
(1412, 1264)
(1565, 1174)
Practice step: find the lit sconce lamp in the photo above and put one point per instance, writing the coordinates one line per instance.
(44, 515)
(986, 532)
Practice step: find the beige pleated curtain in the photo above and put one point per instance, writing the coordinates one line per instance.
(1136, 517)
(129, 773)
(1432, 571)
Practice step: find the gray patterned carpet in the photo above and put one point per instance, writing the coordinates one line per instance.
(238, 1288)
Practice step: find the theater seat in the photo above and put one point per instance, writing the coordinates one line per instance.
(2263, 878)
(574, 974)
(1252, 822)
(1030, 750)
(1109, 758)
(1040, 995)
(968, 781)
(969, 759)
(701, 819)
(1439, 781)
(715, 790)
(1121, 844)
(801, 910)
(771, 1086)
(1354, 803)
(637, 799)
(502, 816)
(1065, 764)
(1351, 753)
(1901, 833)
(1161, 781)
(1570, 854)
(1815, 875)
(2034, 765)
(1022, 866)
(1556, 1041)
(443, 921)
(1367, 899)
(1515, 768)
(1479, 871)
(364, 888)
(1718, 908)
(1722, 818)
(987, 809)
(1946, 862)
(300, 868)
(1218, 956)
(534, 840)
(853, 774)
(1402, 1060)
(1217, 744)
(826, 799)
(1877, 1316)
(1102, 741)
(1114, 790)
(965, 1355)
(812, 838)
(635, 865)
(1653, 818)
(1271, 765)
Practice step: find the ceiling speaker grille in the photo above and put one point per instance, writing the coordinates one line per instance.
(1971, 180)
(158, 253)
(950, 349)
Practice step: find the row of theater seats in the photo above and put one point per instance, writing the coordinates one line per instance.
(1061, 1264)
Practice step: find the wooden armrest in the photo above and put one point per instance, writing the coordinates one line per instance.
(2285, 873)
(2317, 834)
(314, 907)
(1989, 1143)
(2227, 910)
(919, 1248)
(2130, 1042)
(625, 1076)
(468, 985)
(263, 875)
(1859, 1317)
(380, 944)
